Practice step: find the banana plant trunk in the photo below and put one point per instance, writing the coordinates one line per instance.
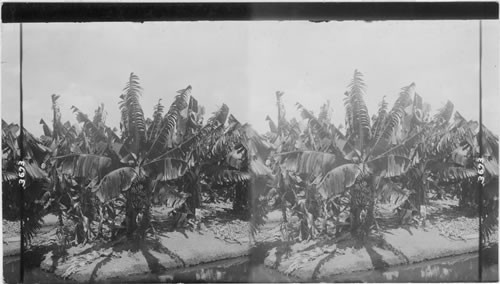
(130, 216)
(423, 195)
(362, 209)
(144, 221)
(194, 188)
(355, 208)
(137, 206)
(241, 197)
(370, 217)
(196, 196)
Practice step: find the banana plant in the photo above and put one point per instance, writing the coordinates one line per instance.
(123, 166)
(468, 163)
(33, 181)
(448, 155)
(402, 144)
(172, 149)
(220, 157)
(70, 195)
(357, 159)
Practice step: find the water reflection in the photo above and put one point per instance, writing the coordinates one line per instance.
(453, 269)
(391, 275)
(462, 268)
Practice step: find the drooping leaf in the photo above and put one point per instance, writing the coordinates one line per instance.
(390, 165)
(340, 144)
(88, 125)
(256, 145)
(114, 183)
(447, 171)
(320, 129)
(83, 165)
(214, 146)
(446, 141)
(234, 159)
(308, 162)
(233, 126)
(490, 143)
(393, 194)
(460, 156)
(112, 135)
(457, 174)
(491, 166)
(4, 124)
(220, 146)
(168, 195)
(166, 169)
(34, 171)
(338, 180)
(223, 176)
(397, 165)
(239, 159)
(405, 147)
(259, 169)
(184, 150)
(33, 146)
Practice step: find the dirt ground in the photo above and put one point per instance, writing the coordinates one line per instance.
(10, 229)
(447, 232)
(218, 235)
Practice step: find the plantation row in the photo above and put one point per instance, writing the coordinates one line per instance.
(103, 185)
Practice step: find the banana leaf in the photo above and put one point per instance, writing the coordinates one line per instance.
(114, 183)
(166, 169)
(338, 180)
(258, 168)
(308, 162)
(83, 165)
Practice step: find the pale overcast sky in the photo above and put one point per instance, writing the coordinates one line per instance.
(243, 64)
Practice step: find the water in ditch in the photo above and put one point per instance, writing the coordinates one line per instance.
(463, 268)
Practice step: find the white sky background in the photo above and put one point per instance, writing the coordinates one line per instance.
(243, 64)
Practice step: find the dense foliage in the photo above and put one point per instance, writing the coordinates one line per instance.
(396, 157)
(103, 183)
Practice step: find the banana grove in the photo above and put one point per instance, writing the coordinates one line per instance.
(105, 182)
(396, 156)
